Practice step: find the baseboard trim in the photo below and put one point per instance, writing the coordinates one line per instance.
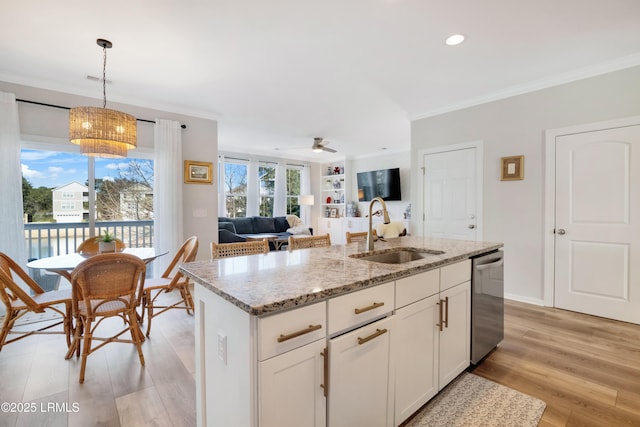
(520, 298)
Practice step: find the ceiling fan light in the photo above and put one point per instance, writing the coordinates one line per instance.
(317, 149)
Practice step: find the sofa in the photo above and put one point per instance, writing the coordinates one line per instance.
(231, 230)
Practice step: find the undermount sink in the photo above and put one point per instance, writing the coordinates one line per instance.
(396, 255)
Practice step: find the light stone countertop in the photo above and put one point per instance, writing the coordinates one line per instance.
(267, 283)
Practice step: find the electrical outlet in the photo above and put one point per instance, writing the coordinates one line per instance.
(222, 347)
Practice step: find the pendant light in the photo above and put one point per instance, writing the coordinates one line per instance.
(101, 132)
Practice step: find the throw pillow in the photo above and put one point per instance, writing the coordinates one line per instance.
(293, 220)
(263, 224)
(300, 229)
(243, 225)
(281, 224)
(224, 225)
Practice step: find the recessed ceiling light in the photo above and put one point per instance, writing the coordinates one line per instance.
(454, 39)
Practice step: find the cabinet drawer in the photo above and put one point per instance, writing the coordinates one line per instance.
(413, 288)
(454, 274)
(285, 331)
(361, 306)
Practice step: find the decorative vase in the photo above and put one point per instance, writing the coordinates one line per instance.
(106, 246)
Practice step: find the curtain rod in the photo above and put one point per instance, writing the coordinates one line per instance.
(68, 108)
(261, 161)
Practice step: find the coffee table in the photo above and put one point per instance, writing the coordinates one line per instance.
(278, 241)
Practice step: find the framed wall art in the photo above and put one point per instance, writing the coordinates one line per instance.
(198, 172)
(512, 168)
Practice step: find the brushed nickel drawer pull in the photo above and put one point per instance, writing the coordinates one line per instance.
(311, 328)
(371, 307)
(376, 334)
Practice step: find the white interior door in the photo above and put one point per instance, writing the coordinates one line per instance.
(597, 223)
(450, 194)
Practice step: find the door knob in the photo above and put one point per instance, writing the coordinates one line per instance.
(561, 231)
(471, 226)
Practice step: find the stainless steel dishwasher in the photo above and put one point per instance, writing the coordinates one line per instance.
(487, 304)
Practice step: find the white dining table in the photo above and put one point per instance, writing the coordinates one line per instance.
(64, 264)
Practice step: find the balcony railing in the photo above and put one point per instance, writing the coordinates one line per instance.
(50, 239)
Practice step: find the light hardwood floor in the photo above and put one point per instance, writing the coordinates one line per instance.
(117, 390)
(586, 369)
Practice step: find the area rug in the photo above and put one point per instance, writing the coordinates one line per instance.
(471, 400)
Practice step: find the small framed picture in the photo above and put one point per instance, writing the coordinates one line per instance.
(333, 213)
(512, 168)
(198, 172)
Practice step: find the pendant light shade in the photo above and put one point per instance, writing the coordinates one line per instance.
(101, 132)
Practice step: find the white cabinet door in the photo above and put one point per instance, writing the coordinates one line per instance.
(415, 355)
(456, 332)
(290, 388)
(360, 390)
(333, 226)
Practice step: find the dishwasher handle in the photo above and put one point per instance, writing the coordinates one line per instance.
(498, 263)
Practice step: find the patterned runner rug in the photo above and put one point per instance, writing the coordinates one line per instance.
(471, 400)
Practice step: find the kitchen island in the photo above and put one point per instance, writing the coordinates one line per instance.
(273, 331)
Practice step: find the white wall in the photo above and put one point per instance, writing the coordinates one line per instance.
(390, 160)
(400, 160)
(513, 210)
(199, 142)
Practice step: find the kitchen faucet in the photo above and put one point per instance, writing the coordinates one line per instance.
(386, 220)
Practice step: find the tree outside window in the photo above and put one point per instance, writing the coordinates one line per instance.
(129, 195)
(267, 178)
(235, 177)
(293, 191)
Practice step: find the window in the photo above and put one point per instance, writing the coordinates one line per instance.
(293, 190)
(123, 188)
(235, 177)
(55, 190)
(259, 186)
(267, 179)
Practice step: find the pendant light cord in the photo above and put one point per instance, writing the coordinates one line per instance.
(104, 76)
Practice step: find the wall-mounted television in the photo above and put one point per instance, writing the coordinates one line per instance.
(383, 183)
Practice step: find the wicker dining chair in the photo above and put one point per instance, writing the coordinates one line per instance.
(18, 303)
(309, 242)
(103, 286)
(359, 236)
(91, 246)
(226, 250)
(170, 280)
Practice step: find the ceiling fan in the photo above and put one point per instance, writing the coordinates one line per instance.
(319, 146)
